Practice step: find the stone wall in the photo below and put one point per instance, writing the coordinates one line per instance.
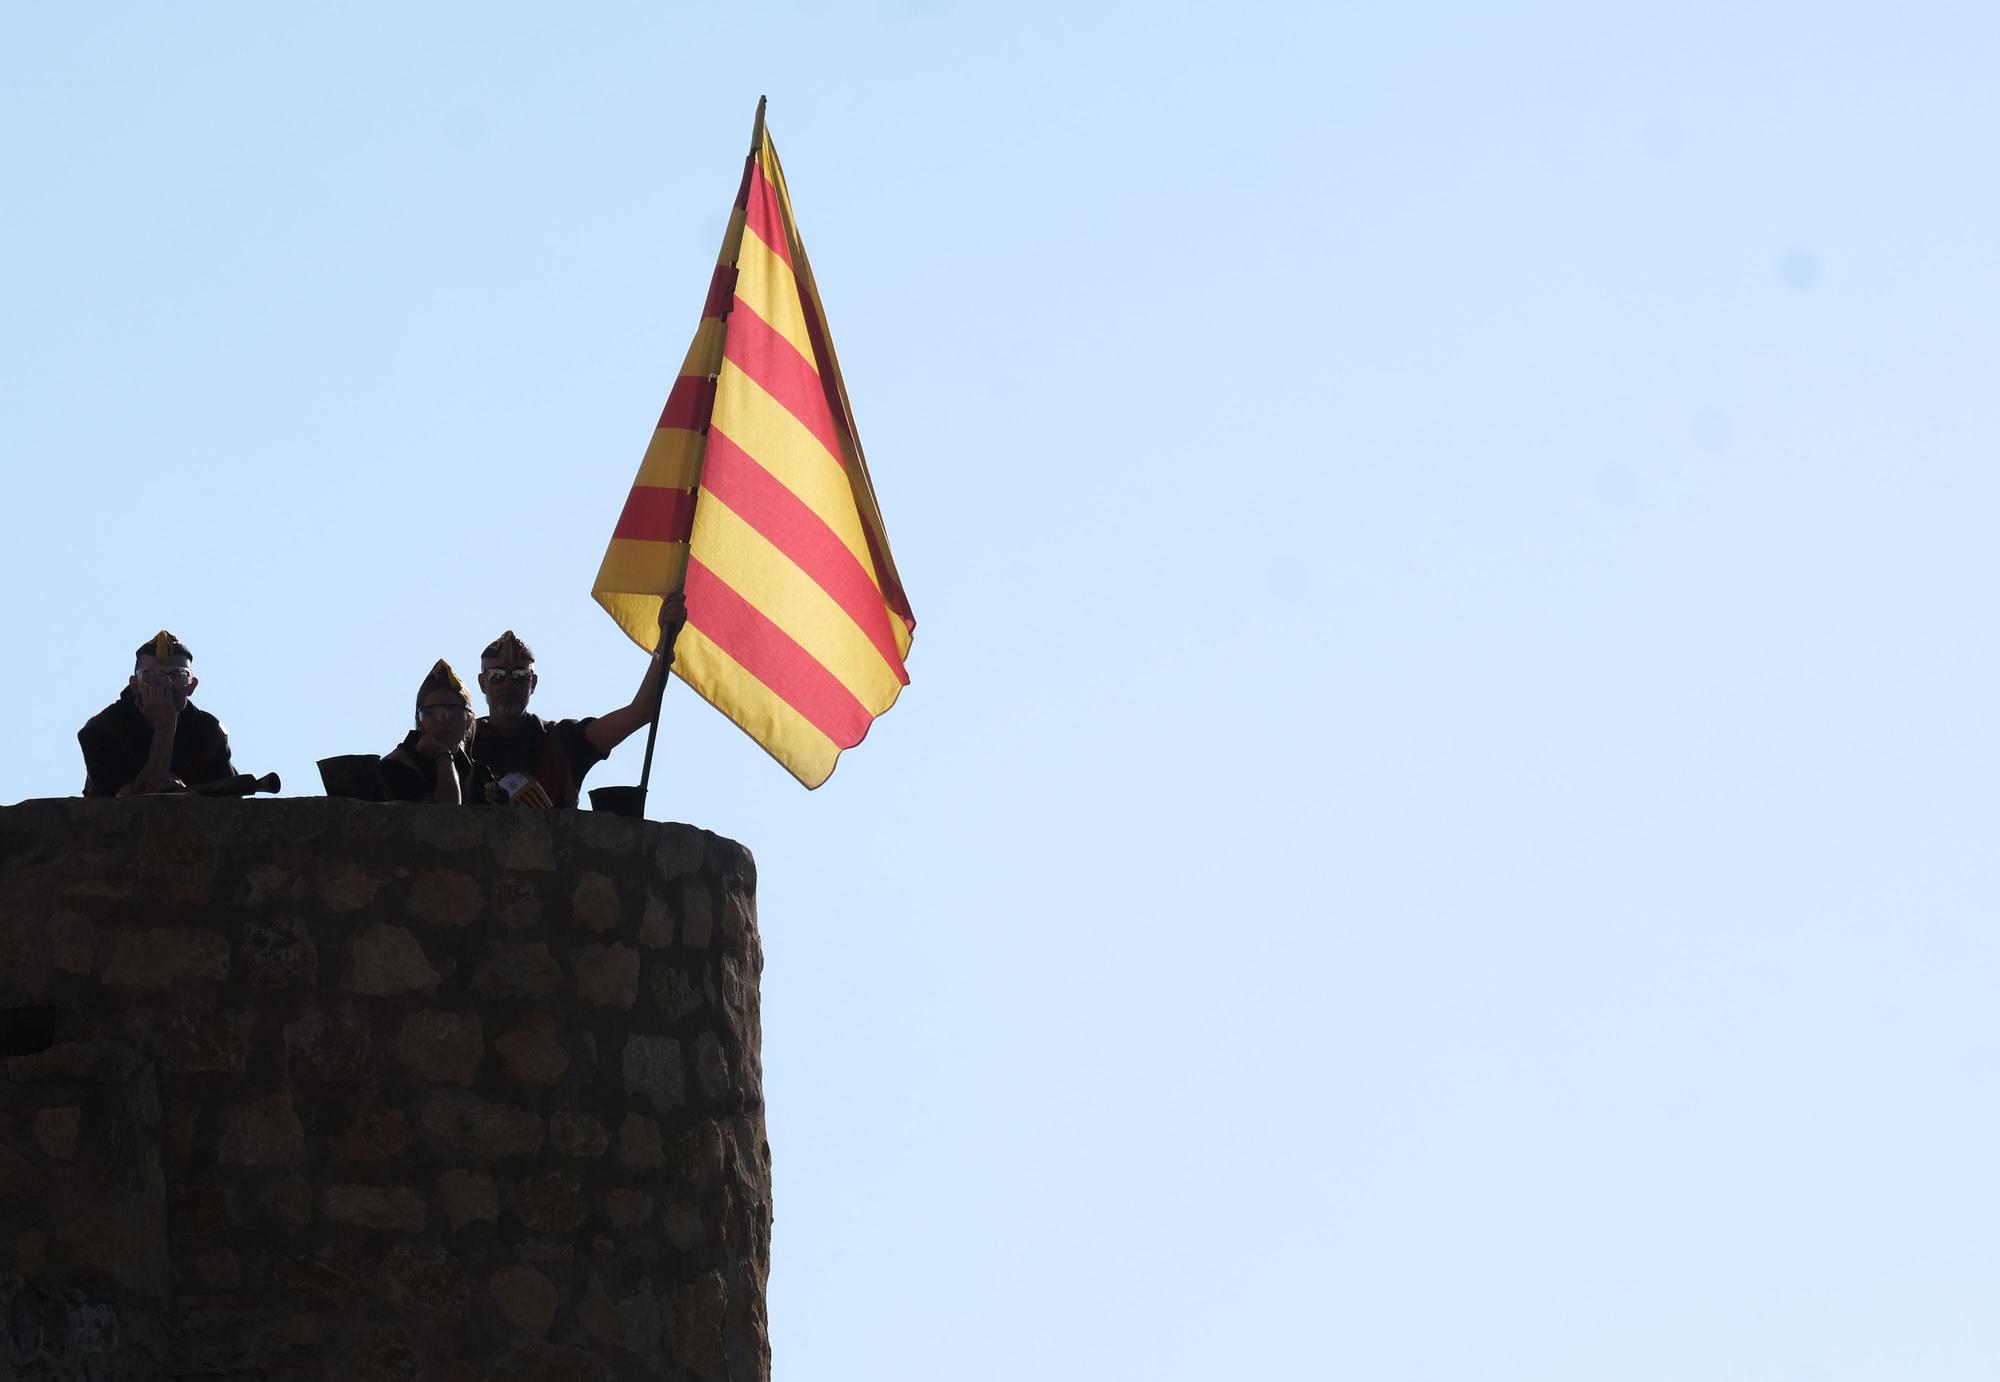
(325, 1089)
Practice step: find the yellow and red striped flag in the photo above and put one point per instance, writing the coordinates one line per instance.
(754, 497)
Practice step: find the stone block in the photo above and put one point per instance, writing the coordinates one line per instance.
(155, 959)
(547, 1203)
(701, 1152)
(628, 1208)
(394, 1207)
(270, 882)
(682, 1221)
(442, 1047)
(288, 1201)
(594, 903)
(388, 960)
(673, 994)
(738, 918)
(332, 1047)
(695, 1313)
(533, 1053)
(56, 1129)
(424, 1280)
(525, 1298)
(348, 888)
(66, 1060)
(280, 954)
(711, 1068)
(467, 1196)
(522, 971)
(516, 903)
(264, 1133)
(201, 1036)
(445, 897)
(521, 845)
(577, 1134)
(598, 1314)
(639, 1323)
(315, 1276)
(442, 827)
(656, 925)
(454, 1120)
(653, 1071)
(678, 851)
(72, 943)
(606, 833)
(697, 915)
(639, 1147)
(372, 1137)
(607, 976)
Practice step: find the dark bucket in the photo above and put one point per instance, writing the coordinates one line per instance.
(620, 801)
(357, 775)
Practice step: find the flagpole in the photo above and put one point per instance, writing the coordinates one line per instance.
(653, 728)
(667, 659)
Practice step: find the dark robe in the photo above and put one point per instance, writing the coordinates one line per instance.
(402, 782)
(556, 753)
(117, 741)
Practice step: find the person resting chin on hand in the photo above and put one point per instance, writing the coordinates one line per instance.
(434, 761)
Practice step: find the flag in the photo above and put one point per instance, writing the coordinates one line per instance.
(754, 497)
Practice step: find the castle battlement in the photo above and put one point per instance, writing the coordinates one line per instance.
(313, 1088)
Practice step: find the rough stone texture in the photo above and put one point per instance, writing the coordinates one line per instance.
(526, 971)
(607, 975)
(628, 1208)
(372, 1137)
(577, 1134)
(372, 1206)
(534, 1053)
(445, 897)
(314, 1089)
(72, 943)
(468, 1196)
(388, 960)
(547, 1204)
(155, 959)
(280, 953)
(594, 903)
(55, 1130)
(653, 1070)
(455, 1121)
(526, 1298)
(639, 1146)
(199, 1035)
(265, 1133)
(442, 1047)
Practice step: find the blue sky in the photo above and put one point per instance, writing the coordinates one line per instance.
(1440, 826)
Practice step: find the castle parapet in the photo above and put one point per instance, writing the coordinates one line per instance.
(312, 1088)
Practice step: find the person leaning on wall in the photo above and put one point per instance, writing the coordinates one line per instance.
(153, 738)
(434, 762)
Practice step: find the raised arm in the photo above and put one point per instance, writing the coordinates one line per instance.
(608, 731)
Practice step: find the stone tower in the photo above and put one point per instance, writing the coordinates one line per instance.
(313, 1088)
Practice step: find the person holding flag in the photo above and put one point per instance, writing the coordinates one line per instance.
(537, 762)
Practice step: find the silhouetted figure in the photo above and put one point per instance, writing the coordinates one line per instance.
(153, 738)
(555, 753)
(432, 762)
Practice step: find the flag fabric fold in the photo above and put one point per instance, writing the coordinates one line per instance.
(753, 496)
